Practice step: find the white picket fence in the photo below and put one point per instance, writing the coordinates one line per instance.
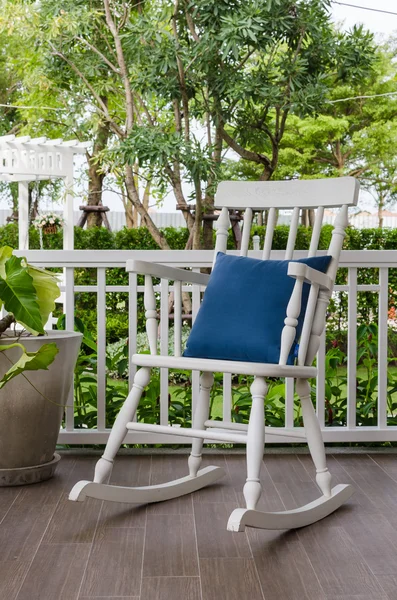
(175, 219)
(104, 260)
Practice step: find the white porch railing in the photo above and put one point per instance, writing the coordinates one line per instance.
(102, 260)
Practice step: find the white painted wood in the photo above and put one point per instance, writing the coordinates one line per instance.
(210, 436)
(310, 275)
(177, 318)
(103, 468)
(308, 324)
(246, 231)
(352, 348)
(330, 434)
(132, 325)
(296, 432)
(255, 443)
(200, 416)
(196, 300)
(222, 226)
(287, 194)
(23, 215)
(146, 494)
(318, 223)
(156, 270)
(293, 230)
(291, 519)
(314, 437)
(224, 366)
(69, 322)
(164, 375)
(291, 321)
(271, 224)
(383, 346)
(101, 353)
(320, 382)
(227, 396)
(289, 402)
(256, 240)
(150, 314)
(68, 214)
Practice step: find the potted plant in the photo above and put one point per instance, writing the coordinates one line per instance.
(36, 371)
(48, 223)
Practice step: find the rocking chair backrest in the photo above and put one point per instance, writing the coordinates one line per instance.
(271, 196)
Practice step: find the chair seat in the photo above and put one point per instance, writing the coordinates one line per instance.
(223, 366)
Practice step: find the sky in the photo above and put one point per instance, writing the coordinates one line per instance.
(383, 25)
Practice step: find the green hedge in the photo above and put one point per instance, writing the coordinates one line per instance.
(99, 238)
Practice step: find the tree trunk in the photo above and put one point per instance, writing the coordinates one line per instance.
(145, 217)
(380, 210)
(95, 177)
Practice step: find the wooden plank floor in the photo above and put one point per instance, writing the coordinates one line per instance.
(53, 549)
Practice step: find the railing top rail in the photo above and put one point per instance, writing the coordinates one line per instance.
(186, 258)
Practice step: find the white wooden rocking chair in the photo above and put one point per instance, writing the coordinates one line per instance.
(257, 196)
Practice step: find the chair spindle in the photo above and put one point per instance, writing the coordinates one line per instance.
(150, 314)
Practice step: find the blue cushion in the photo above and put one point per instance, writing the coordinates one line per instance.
(242, 314)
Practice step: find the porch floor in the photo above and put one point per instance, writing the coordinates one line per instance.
(53, 549)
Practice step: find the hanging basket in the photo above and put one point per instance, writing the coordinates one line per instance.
(48, 229)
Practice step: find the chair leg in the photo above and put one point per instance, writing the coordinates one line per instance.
(255, 443)
(103, 468)
(330, 501)
(314, 437)
(200, 416)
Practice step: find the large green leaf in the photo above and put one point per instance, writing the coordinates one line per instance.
(29, 361)
(19, 295)
(46, 286)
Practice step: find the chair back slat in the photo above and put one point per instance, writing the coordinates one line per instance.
(318, 223)
(271, 223)
(293, 230)
(246, 231)
(306, 193)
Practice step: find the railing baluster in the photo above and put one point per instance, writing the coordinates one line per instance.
(177, 318)
(352, 348)
(227, 396)
(289, 403)
(382, 346)
(132, 325)
(164, 329)
(320, 382)
(69, 323)
(101, 354)
(195, 374)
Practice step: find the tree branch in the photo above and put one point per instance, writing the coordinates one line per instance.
(243, 152)
(99, 53)
(101, 105)
(122, 65)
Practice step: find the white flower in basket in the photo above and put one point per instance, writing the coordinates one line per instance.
(48, 223)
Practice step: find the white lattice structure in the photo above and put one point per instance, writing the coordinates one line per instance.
(25, 159)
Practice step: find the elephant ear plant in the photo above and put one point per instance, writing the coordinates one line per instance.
(28, 295)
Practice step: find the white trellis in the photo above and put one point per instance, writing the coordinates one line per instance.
(24, 159)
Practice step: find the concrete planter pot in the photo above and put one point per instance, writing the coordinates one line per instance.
(29, 423)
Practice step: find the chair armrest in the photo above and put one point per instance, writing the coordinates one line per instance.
(162, 271)
(310, 275)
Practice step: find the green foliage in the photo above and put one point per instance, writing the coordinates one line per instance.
(28, 294)
(19, 295)
(29, 361)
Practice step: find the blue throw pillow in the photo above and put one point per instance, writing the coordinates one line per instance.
(242, 314)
